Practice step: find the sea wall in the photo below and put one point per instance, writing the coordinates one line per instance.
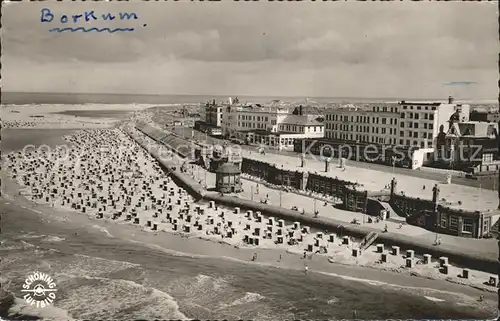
(456, 255)
(184, 181)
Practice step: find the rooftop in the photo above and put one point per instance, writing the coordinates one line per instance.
(308, 110)
(228, 168)
(307, 120)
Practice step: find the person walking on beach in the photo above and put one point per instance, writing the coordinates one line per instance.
(281, 255)
(254, 258)
(306, 269)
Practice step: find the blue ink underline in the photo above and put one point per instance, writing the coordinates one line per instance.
(91, 29)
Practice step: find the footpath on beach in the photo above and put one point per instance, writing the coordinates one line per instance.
(475, 260)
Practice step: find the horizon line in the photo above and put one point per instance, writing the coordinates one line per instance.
(233, 95)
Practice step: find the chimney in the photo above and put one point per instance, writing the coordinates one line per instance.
(300, 110)
(450, 100)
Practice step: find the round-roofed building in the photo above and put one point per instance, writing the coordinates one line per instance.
(228, 179)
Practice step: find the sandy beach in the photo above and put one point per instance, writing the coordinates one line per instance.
(120, 193)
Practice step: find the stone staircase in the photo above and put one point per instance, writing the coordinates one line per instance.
(367, 241)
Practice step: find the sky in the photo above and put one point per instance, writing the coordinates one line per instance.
(310, 49)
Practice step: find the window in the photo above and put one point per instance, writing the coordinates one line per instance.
(487, 158)
(431, 126)
(415, 134)
(416, 116)
(467, 225)
(401, 141)
(402, 115)
(408, 142)
(425, 125)
(486, 225)
(422, 145)
(404, 107)
(402, 124)
(410, 125)
(453, 223)
(429, 135)
(402, 134)
(431, 116)
(411, 115)
(444, 220)
(415, 125)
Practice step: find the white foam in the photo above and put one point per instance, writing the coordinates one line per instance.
(54, 239)
(50, 312)
(102, 229)
(116, 295)
(249, 297)
(433, 299)
(202, 279)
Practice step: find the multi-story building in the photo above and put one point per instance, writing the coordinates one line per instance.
(420, 123)
(376, 125)
(210, 118)
(407, 125)
(251, 118)
(469, 146)
(211, 114)
(414, 124)
(274, 126)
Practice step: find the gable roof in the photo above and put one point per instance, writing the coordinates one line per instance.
(308, 110)
(307, 120)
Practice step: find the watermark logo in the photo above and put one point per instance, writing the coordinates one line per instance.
(40, 290)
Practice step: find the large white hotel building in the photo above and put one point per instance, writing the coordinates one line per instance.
(276, 125)
(411, 124)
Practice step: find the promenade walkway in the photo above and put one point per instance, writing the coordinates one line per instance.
(472, 199)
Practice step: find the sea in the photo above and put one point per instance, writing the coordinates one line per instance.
(22, 98)
(100, 277)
